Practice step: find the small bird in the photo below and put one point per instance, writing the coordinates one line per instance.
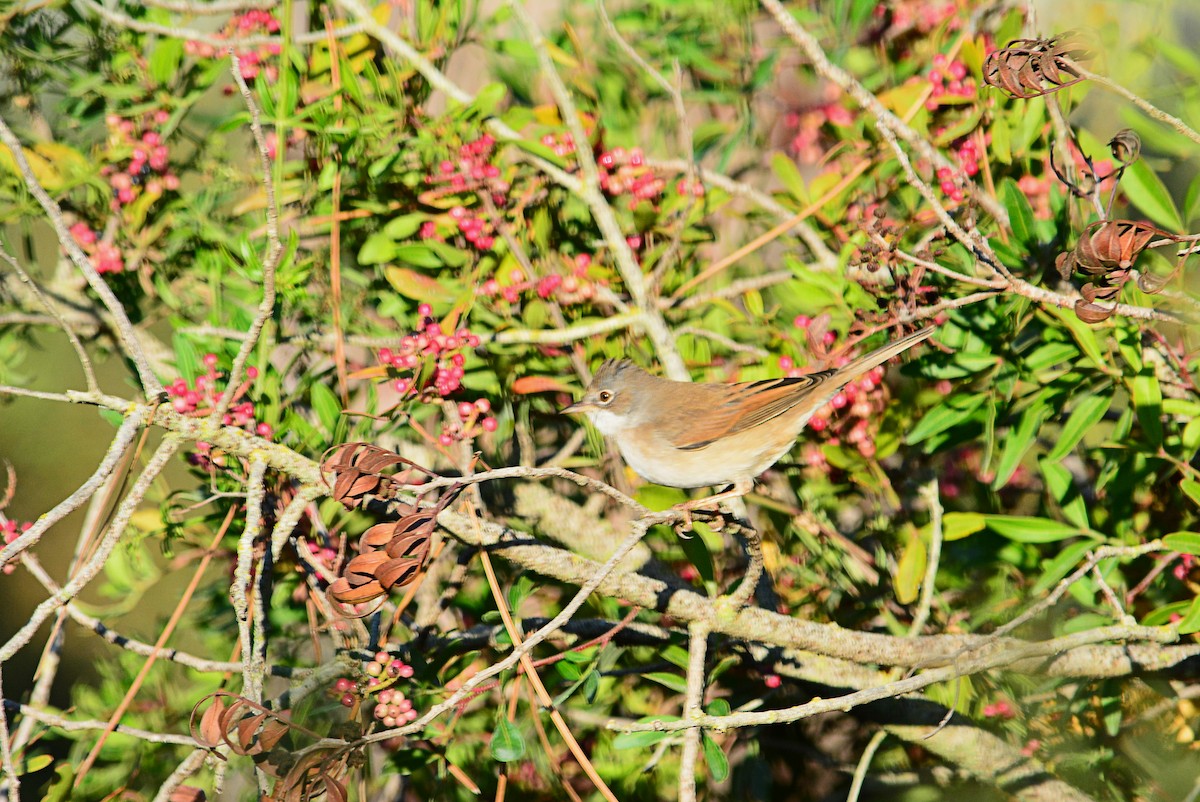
(681, 434)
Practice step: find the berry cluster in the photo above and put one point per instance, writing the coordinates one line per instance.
(966, 151)
(475, 230)
(1000, 709)
(148, 169)
(104, 255)
(806, 143)
(431, 342)
(448, 350)
(252, 23)
(625, 172)
(563, 144)
(391, 708)
(572, 288)
(198, 399)
(948, 79)
(921, 16)
(850, 414)
(11, 530)
(473, 170)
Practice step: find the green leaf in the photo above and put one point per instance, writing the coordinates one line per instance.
(1191, 619)
(1147, 402)
(1062, 487)
(1031, 530)
(378, 248)
(786, 171)
(669, 680)
(1020, 440)
(698, 554)
(1191, 489)
(1087, 413)
(404, 226)
(1148, 193)
(1084, 335)
(1062, 564)
(639, 740)
(418, 255)
(1187, 542)
(1156, 618)
(417, 286)
(326, 405)
(718, 764)
(946, 415)
(957, 525)
(489, 97)
(507, 742)
(1020, 214)
(910, 570)
(187, 357)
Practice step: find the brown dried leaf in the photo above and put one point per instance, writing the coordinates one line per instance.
(246, 730)
(378, 535)
(1092, 313)
(209, 734)
(187, 793)
(366, 563)
(398, 572)
(409, 545)
(341, 591)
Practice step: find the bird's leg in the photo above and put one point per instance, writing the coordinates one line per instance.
(740, 488)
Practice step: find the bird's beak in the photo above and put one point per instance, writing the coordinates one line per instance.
(578, 406)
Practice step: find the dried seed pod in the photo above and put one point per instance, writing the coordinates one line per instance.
(1126, 146)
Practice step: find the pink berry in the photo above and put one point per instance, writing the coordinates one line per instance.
(489, 424)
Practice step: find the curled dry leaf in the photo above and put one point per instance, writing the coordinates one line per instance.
(357, 468)
(245, 727)
(1030, 68)
(1126, 146)
(391, 554)
(1092, 313)
(187, 793)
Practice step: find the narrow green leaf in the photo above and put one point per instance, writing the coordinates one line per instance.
(1191, 619)
(1085, 335)
(1187, 542)
(187, 356)
(1087, 413)
(718, 764)
(1062, 564)
(639, 740)
(946, 415)
(1031, 530)
(787, 173)
(669, 680)
(1191, 489)
(1062, 487)
(326, 405)
(1020, 214)
(1147, 401)
(507, 742)
(1020, 440)
(1150, 195)
(957, 525)
(910, 570)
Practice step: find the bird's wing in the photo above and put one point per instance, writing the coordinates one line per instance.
(737, 407)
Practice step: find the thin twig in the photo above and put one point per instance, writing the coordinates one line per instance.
(692, 708)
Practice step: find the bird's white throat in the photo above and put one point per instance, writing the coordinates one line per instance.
(607, 422)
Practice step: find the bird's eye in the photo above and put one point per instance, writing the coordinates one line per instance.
(605, 396)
